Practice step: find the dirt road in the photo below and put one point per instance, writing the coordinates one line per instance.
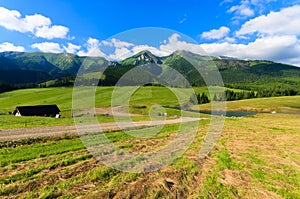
(23, 133)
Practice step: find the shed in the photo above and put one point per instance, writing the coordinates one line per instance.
(39, 110)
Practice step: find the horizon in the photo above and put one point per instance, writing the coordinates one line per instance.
(220, 57)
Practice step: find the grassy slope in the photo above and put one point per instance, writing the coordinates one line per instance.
(62, 96)
(256, 157)
(145, 96)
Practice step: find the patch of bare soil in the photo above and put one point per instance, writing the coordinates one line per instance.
(165, 184)
(115, 111)
(23, 133)
(234, 178)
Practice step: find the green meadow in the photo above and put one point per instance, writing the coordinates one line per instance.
(140, 103)
(257, 156)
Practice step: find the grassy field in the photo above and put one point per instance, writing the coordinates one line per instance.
(140, 102)
(256, 156)
(62, 96)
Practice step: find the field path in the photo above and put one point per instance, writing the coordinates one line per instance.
(23, 133)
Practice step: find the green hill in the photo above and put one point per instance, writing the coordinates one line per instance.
(175, 69)
(39, 67)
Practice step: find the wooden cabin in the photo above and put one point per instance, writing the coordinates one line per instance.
(39, 110)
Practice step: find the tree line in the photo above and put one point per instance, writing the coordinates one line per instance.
(230, 95)
(200, 98)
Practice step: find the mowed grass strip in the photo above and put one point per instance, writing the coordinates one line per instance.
(253, 158)
(71, 173)
(29, 152)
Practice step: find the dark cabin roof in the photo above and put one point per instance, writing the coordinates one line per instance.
(40, 110)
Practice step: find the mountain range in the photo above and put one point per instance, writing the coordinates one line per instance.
(33, 68)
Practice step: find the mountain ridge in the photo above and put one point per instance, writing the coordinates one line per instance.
(49, 66)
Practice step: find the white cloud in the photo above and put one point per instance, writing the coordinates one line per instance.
(71, 48)
(216, 33)
(124, 49)
(166, 48)
(243, 10)
(49, 47)
(284, 22)
(174, 44)
(51, 32)
(230, 40)
(280, 48)
(276, 48)
(117, 43)
(247, 8)
(6, 46)
(225, 2)
(93, 49)
(285, 49)
(120, 54)
(38, 25)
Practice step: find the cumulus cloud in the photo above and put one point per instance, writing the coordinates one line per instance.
(48, 47)
(92, 49)
(284, 22)
(166, 48)
(242, 10)
(123, 49)
(246, 8)
(117, 43)
(216, 33)
(6, 46)
(174, 43)
(51, 32)
(71, 48)
(38, 25)
(276, 48)
(280, 48)
(230, 39)
(285, 49)
(120, 54)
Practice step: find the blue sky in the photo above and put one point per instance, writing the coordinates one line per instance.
(247, 29)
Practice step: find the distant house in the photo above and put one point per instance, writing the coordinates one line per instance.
(40, 110)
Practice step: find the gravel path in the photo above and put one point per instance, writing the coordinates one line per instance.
(22, 133)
